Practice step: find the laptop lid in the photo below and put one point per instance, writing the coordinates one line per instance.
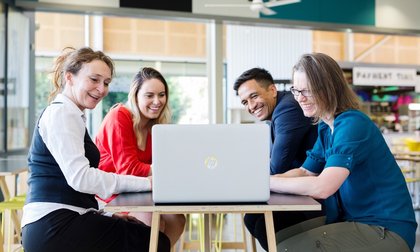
(210, 163)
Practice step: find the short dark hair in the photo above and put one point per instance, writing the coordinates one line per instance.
(262, 76)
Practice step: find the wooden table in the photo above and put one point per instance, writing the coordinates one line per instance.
(11, 167)
(142, 202)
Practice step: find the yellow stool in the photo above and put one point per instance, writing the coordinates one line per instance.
(221, 244)
(21, 197)
(9, 235)
(197, 242)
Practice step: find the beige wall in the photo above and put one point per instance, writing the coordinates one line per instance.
(157, 38)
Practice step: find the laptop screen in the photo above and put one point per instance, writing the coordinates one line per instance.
(210, 163)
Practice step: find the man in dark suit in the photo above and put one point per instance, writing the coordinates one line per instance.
(292, 134)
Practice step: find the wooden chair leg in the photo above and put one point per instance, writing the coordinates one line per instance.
(253, 244)
(181, 240)
(1, 233)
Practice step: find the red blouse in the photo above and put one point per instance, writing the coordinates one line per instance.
(117, 144)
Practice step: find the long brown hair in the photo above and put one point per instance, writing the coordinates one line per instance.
(71, 60)
(327, 84)
(143, 75)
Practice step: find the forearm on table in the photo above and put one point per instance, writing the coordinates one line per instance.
(317, 186)
(296, 172)
(294, 185)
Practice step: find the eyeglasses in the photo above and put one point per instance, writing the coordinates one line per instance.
(304, 92)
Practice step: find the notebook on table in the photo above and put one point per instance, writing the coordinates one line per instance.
(210, 163)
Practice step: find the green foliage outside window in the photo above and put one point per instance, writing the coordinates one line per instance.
(43, 88)
(111, 99)
(177, 103)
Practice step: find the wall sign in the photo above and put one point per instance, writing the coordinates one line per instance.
(377, 76)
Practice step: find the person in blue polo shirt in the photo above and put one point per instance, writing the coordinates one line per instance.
(367, 203)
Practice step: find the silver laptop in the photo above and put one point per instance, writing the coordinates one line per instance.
(210, 163)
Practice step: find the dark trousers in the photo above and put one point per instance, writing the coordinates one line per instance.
(255, 223)
(65, 230)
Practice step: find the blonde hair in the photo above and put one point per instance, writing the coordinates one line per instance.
(143, 75)
(326, 82)
(71, 60)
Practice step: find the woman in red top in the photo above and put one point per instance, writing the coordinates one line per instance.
(124, 139)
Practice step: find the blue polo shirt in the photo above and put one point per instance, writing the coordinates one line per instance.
(375, 192)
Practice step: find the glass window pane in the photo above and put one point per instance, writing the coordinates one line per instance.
(17, 81)
(188, 91)
(2, 39)
(188, 98)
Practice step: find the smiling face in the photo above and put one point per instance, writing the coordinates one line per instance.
(308, 105)
(259, 101)
(151, 99)
(87, 88)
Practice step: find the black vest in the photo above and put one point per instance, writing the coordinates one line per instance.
(46, 181)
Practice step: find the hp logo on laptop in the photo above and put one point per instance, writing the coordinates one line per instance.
(210, 162)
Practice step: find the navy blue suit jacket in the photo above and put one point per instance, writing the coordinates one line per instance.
(292, 134)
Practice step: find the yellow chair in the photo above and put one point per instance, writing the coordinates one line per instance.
(10, 235)
(237, 243)
(196, 242)
(412, 144)
(195, 227)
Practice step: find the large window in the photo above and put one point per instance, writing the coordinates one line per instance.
(176, 49)
(14, 81)
(2, 77)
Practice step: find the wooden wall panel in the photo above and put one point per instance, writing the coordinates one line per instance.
(407, 56)
(330, 43)
(187, 39)
(150, 25)
(120, 42)
(411, 42)
(395, 49)
(56, 31)
(385, 55)
(333, 50)
(155, 37)
(152, 44)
